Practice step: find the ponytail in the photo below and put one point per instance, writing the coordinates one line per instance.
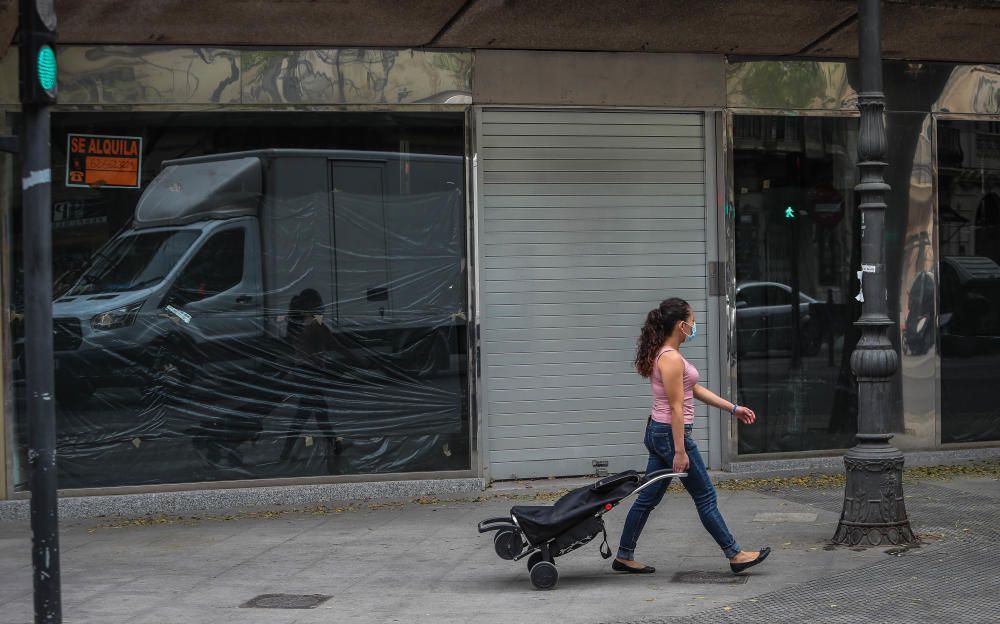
(660, 323)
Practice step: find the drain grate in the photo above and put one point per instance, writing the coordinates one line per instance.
(709, 578)
(285, 601)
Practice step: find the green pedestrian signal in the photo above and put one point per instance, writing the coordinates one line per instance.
(47, 68)
(789, 213)
(38, 69)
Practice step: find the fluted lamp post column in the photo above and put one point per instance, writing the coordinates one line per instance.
(874, 511)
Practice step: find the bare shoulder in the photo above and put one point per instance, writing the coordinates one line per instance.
(670, 362)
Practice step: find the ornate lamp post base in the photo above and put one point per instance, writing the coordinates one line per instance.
(874, 511)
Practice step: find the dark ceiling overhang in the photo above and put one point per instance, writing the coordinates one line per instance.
(960, 30)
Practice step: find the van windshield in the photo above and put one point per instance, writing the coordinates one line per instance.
(134, 261)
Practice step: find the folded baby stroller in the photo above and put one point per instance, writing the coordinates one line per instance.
(543, 533)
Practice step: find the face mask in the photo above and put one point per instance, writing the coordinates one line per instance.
(694, 331)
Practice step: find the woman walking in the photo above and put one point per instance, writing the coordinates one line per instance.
(668, 434)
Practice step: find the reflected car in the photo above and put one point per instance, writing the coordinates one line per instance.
(970, 313)
(764, 319)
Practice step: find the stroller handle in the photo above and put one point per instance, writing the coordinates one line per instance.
(659, 475)
(655, 477)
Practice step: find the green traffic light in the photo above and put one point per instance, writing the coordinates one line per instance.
(789, 213)
(46, 68)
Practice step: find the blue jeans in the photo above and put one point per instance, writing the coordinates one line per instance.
(659, 442)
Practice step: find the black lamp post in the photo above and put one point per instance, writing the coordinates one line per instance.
(874, 512)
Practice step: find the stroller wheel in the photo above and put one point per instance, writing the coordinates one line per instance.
(544, 575)
(507, 543)
(533, 559)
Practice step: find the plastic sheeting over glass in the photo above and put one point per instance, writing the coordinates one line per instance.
(271, 313)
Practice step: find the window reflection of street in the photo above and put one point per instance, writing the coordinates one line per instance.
(969, 298)
(795, 295)
(174, 357)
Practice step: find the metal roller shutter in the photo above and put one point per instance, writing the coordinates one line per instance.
(588, 219)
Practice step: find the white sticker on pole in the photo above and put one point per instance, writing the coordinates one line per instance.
(35, 178)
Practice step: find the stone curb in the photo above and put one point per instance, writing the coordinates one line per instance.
(782, 467)
(133, 505)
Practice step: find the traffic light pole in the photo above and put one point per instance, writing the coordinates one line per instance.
(36, 193)
(38, 87)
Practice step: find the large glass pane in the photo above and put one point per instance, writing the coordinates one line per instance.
(969, 315)
(795, 229)
(286, 297)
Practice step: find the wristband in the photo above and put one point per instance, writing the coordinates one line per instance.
(733, 411)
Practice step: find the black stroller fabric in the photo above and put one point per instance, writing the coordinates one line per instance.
(542, 523)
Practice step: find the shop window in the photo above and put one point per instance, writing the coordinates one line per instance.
(969, 299)
(795, 240)
(321, 332)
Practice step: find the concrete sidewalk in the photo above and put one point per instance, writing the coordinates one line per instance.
(423, 561)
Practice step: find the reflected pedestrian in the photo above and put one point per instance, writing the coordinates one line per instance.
(311, 339)
(668, 439)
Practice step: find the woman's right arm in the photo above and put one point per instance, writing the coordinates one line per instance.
(671, 366)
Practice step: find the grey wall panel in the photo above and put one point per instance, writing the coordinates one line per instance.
(540, 361)
(571, 384)
(588, 220)
(593, 142)
(619, 192)
(588, 296)
(616, 130)
(569, 410)
(575, 413)
(591, 177)
(606, 272)
(561, 333)
(593, 227)
(497, 120)
(603, 426)
(604, 153)
(661, 285)
(609, 310)
(607, 207)
(630, 166)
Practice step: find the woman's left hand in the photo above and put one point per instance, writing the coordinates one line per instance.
(745, 415)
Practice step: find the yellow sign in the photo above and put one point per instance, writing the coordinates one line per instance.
(103, 161)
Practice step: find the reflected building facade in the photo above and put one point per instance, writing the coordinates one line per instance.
(941, 123)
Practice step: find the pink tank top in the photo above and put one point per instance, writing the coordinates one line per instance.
(661, 406)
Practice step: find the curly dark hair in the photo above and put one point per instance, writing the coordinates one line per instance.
(660, 323)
